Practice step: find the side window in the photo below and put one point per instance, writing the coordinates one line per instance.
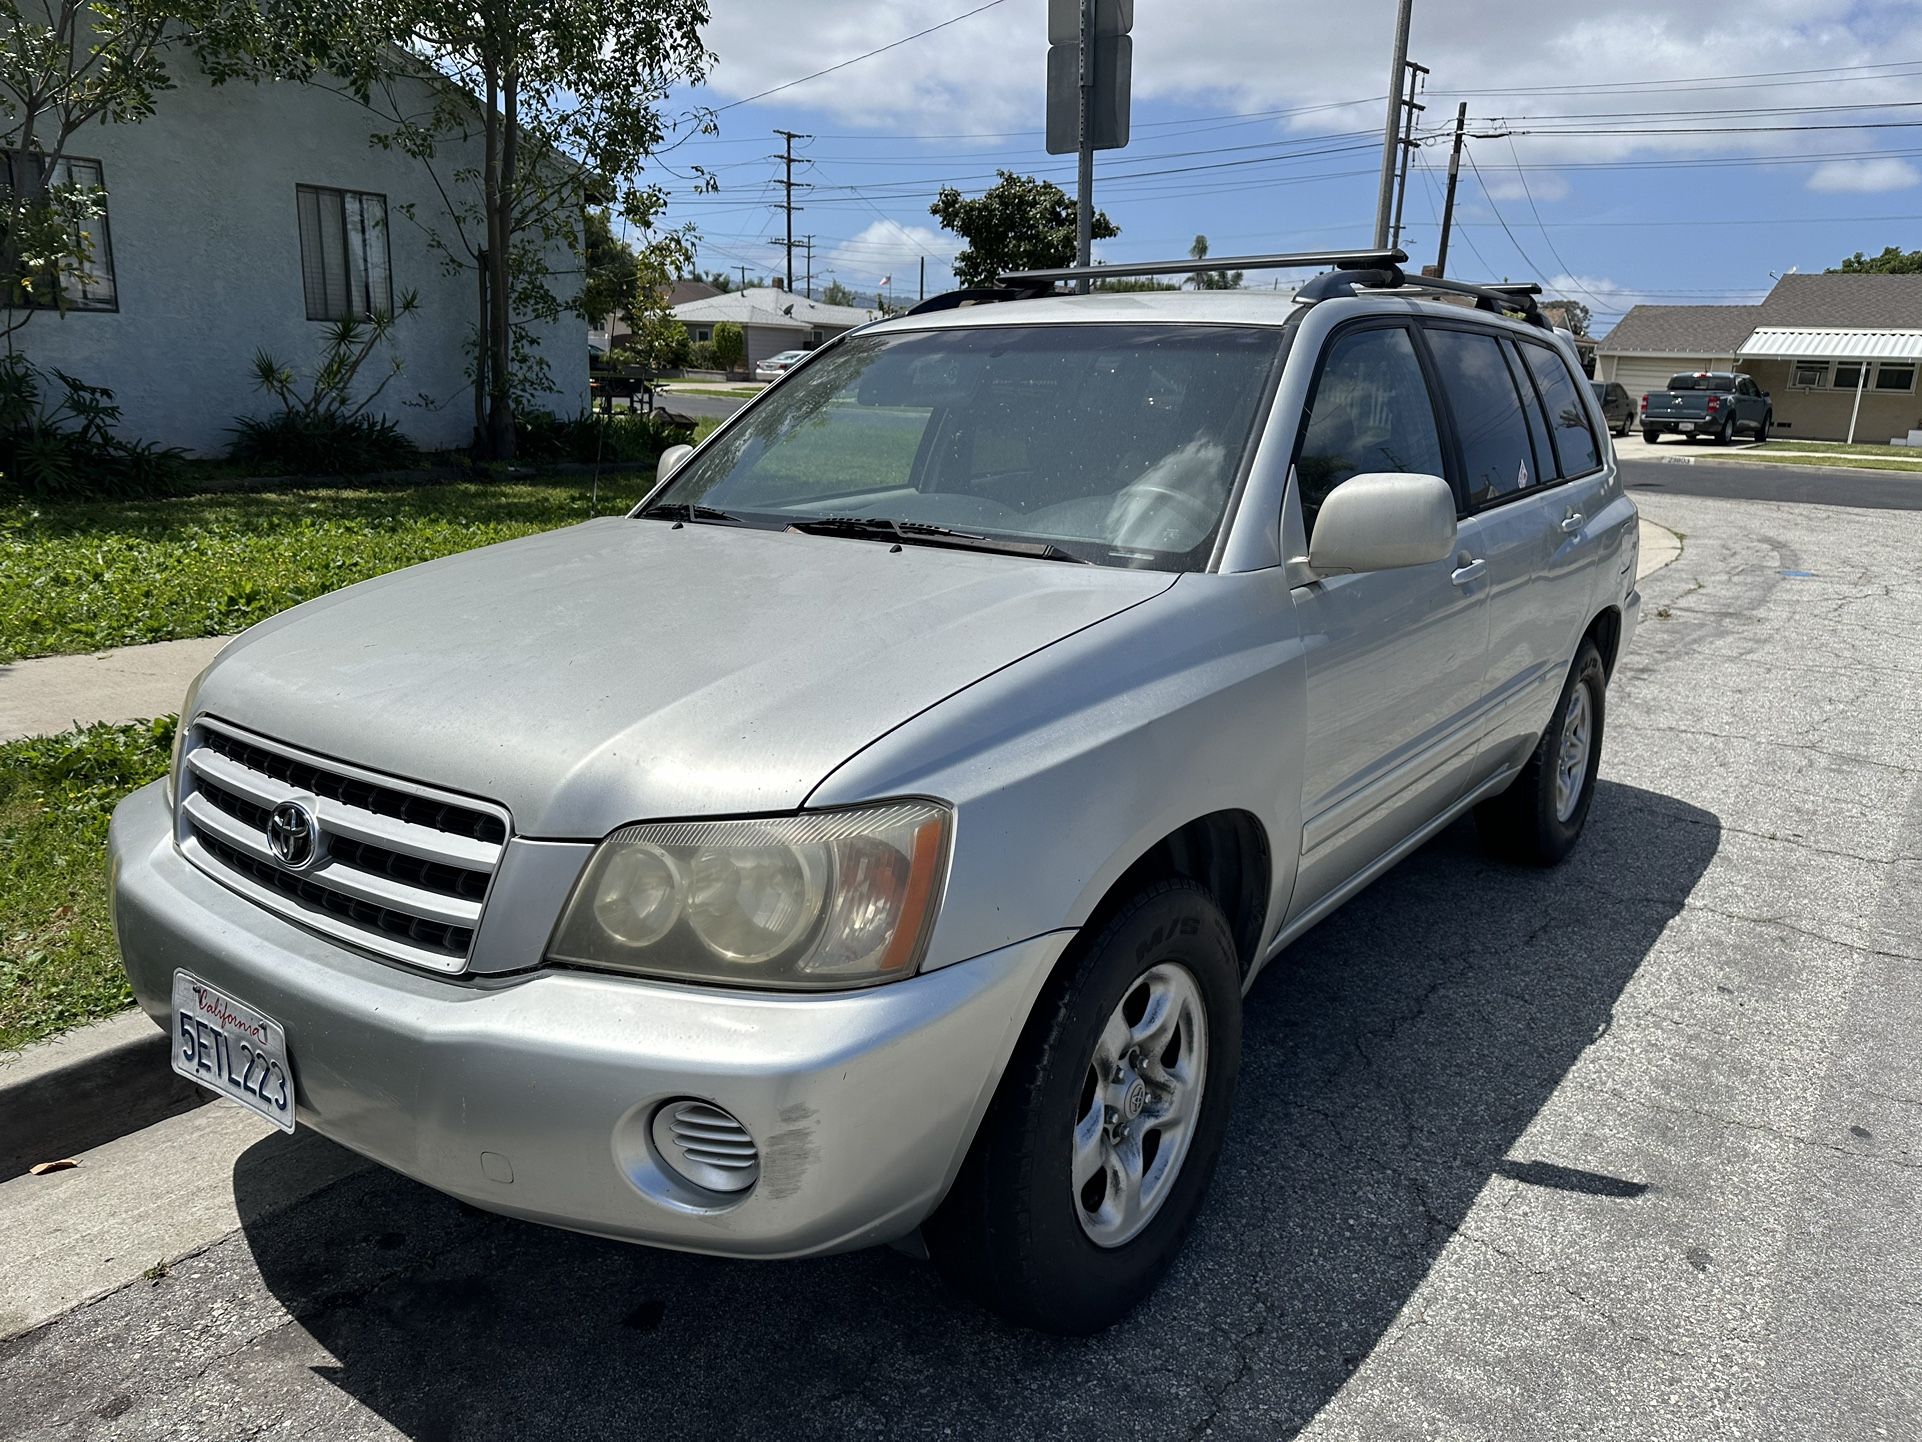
(1544, 467)
(1575, 442)
(1497, 459)
(1370, 411)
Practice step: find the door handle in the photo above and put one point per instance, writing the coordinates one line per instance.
(1469, 571)
(1571, 523)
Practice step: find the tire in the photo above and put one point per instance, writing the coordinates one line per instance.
(1762, 427)
(1533, 821)
(1650, 435)
(1014, 1233)
(1726, 435)
(1628, 422)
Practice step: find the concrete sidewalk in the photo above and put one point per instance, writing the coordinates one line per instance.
(133, 683)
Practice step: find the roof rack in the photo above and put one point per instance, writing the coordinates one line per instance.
(1340, 259)
(1352, 271)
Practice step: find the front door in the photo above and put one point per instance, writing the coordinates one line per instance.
(1395, 658)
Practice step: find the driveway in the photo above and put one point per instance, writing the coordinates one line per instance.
(1624, 1149)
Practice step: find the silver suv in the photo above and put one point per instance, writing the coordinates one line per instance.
(871, 837)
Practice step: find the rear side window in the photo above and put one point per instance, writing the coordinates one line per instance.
(1371, 411)
(1575, 446)
(1497, 459)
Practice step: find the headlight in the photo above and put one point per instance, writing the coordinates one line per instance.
(813, 902)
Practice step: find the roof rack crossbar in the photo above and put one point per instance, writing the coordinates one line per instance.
(1340, 259)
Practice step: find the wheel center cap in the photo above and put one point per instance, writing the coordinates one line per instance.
(1135, 1101)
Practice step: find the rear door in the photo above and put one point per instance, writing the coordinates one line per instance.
(1394, 658)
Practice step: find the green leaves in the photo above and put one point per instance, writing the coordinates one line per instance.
(1019, 223)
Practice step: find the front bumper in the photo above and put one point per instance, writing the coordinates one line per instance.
(862, 1103)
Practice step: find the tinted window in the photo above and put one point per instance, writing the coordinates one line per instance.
(1544, 467)
(1712, 381)
(1497, 460)
(1574, 441)
(1371, 411)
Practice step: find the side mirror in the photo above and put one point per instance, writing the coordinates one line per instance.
(670, 461)
(1382, 520)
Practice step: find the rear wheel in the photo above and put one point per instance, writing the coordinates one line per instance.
(1101, 1140)
(1650, 435)
(1726, 435)
(1538, 819)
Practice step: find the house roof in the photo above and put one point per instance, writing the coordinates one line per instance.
(1825, 304)
(766, 305)
(1693, 330)
(683, 291)
(1845, 302)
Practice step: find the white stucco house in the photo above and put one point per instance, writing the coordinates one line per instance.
(771, 319)
(243, 218)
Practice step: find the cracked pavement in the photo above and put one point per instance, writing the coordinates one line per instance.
(1625, 1149)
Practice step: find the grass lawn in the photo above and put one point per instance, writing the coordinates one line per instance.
(58, 962)
(1820, 459)
(1780, 442)
(84, 576)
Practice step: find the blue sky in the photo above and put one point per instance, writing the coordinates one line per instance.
(1627, 154)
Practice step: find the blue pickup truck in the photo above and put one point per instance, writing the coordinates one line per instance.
(1717, 404)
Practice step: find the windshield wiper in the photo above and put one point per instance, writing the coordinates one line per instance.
(689, 511)
(921, 533)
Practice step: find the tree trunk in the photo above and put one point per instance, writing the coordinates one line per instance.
(500, 401)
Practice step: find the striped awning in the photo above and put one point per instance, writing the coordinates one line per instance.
(1805, 343)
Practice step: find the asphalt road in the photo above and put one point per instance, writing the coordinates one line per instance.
(1632, 1148)
(1694, 474)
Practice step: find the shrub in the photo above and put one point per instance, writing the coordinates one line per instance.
(729, 344)
(65, 449)
(300, 443)
(588, 438)
(701, 357)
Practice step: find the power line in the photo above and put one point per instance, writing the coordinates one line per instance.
(857, 59)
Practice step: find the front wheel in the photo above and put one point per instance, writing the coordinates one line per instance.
(1100, 1142)
(1538, 819)
(1627, 422)
(1762, 427)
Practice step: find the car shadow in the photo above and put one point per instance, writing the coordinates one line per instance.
(1392, 1058)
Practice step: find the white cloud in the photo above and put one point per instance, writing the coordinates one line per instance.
(1864, 176)
(887, 248)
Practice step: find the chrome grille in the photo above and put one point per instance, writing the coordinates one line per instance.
(399, 869)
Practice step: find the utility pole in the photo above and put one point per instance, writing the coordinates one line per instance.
(1084, 171)
(810, 245)
(1454, 175)
(1391, 135)
(924, 277)
(787, 184)
(743, 270)
(1416, 74)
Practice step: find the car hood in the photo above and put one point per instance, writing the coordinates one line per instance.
(623, 669)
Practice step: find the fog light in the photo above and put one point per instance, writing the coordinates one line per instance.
(704, 1145)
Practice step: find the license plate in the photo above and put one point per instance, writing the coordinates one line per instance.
(1688, 425)
(230, 1048)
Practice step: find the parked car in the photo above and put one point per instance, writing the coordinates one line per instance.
(875, 831)
(1718, 404)
(1618, 406)
(776, 366)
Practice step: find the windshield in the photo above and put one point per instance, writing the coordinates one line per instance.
(1119, 444)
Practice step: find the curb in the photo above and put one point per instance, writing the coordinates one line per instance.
(85, 1088)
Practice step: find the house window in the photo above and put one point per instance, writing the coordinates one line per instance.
(85, 274)
(814, 337)
(1897, 377)
(343, 253)
(703, 334)
(1848, 375)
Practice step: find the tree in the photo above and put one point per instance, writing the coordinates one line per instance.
(566, 98)
(729, 345)
(612, 285)
(838, 294)
(1892, 261)
(1019, 223)
(1211, 279)
(1571, 315)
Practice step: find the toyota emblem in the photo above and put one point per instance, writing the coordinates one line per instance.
(291, 835)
